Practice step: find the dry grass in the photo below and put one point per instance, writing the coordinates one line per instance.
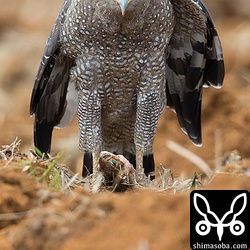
(112, 177)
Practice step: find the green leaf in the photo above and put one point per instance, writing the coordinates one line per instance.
(39, 152)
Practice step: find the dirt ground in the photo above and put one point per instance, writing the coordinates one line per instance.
(33, 216)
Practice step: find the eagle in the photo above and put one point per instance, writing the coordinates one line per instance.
(118, 64)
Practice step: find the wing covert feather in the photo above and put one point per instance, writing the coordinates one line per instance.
(48, 99)
(193, 60)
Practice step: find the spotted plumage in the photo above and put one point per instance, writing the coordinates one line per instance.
(118, 64)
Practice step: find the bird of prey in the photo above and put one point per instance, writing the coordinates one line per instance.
(118, 64)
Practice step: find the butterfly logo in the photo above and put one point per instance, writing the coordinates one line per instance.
(203, 227)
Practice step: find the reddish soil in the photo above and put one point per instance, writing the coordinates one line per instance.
(32, 216)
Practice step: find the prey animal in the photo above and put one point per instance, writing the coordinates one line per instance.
(118, 64)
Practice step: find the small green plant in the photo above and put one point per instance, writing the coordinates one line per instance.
(196, 181)
(39, 152)
(44, 170)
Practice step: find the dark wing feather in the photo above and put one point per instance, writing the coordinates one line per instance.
(194, 59)
(214, 70)
(50, 87)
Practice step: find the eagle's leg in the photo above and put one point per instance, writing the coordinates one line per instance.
(151, 102)
(89, 118)
(149, 108)
(148, 163)
(87, 164)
